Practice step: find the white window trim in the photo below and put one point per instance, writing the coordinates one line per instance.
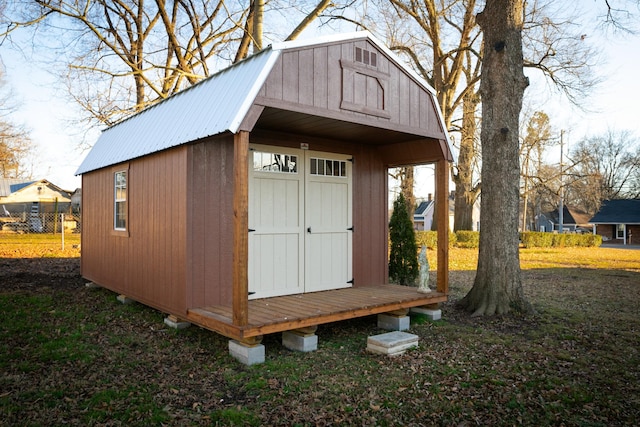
(117, 200)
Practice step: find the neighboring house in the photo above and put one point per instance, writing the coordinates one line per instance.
(618, 221)
(573, 220)
(256, 201)
(76, 201)
(19, 196)
(423, 215)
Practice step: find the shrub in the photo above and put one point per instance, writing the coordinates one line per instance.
(427, 238)
(467, 239)
(536, 239)
(403, 259)
(594, 240)
(558, 240)
(430, 239)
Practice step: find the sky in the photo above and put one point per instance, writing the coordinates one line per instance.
(44, 110)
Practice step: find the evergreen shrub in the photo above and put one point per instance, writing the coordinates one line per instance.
(403, 257)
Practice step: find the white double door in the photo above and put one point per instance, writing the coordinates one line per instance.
(300, 221)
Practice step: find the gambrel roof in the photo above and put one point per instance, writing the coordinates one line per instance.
(244, 93)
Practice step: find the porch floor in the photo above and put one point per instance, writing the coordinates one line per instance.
(278, 314)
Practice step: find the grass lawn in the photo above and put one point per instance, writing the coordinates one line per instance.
(70, 355)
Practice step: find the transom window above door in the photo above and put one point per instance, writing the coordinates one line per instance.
(274, 162)
(328, 167)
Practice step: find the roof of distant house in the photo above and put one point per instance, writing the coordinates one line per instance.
(569, 216)
(623, 211)
(422, 207)
(11, 185)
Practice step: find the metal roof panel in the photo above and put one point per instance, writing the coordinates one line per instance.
(213, 106)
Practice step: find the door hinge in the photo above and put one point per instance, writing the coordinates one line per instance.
(351, 160)
(350, 281)
(350, 228)
(251, 230)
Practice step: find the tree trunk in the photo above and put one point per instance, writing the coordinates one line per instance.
(498, 286)
(258, 13)
(406, 188)
(315, 13)
(465, 193)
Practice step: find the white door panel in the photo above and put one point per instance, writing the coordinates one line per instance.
(328, 243)
(276, 244)
(300, 213)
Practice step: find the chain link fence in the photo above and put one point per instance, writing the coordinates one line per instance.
(35, 221)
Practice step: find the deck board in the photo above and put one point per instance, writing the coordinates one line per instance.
(278, 314)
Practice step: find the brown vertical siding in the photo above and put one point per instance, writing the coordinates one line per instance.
(147, 263)
(370, 259)
(312, 80)
(210, 219)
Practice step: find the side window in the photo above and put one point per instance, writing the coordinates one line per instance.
(120, 200)
(620, 231)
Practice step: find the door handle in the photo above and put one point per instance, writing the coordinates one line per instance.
(308, 229)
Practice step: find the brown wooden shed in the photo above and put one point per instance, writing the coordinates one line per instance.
(257, 200)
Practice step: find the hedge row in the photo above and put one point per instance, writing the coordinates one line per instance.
(430, 239)
(536, 239)
(530, 239)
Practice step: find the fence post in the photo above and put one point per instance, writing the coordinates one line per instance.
(62, 229)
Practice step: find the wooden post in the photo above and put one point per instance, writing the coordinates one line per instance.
(240, 228)
(442, 216)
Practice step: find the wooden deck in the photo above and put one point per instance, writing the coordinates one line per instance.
(278, 314)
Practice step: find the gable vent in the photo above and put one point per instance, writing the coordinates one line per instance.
(366, 57)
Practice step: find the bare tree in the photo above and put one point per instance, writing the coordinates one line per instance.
(120, 56)
(538, 136)
(441, 40)
(254, 23)
(16, 146)
(498, 286)
(438, 39)
(606, 167)
(15, 149)
(467, 185)
(554, 46)
(406, 178)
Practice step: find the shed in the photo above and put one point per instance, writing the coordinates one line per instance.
(255, 201)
